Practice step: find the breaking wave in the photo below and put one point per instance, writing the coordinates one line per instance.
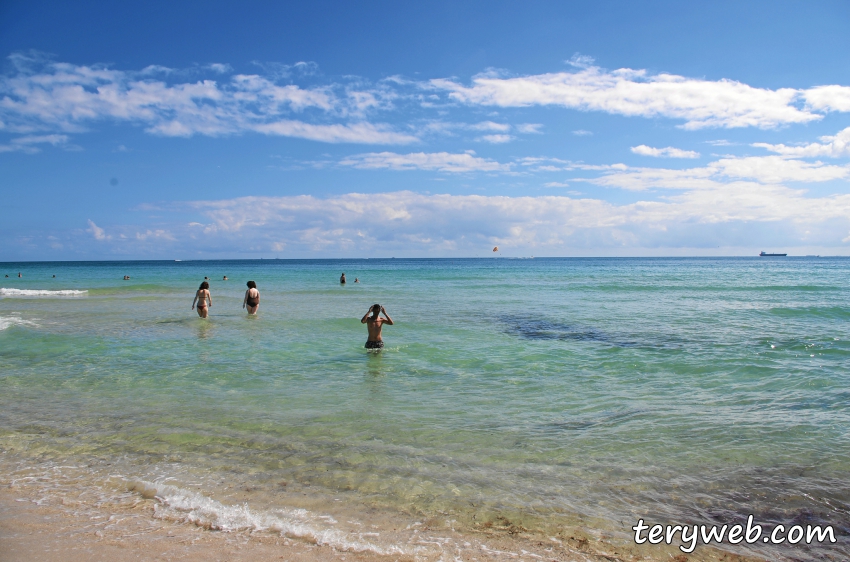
(177, 504)
(40, 293)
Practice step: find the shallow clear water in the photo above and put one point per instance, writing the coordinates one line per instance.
(547, 391)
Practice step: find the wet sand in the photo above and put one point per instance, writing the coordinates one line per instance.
(38, 529)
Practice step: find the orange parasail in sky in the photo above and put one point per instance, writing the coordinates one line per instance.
(496, 249)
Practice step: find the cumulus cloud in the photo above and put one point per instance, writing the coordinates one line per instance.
(409, 223)
(834, 146)
(450, 223)
(828, 98)
(70, 98)
(700, 103)
(668, 152)
(436, 161)
(96, 231)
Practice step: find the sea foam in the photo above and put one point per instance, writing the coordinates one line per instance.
(9, 321)
(177, 504)
(40, 293)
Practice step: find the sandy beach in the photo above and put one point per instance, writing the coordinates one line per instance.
(50, 524)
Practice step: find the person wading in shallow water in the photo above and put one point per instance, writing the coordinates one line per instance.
(374, 323)
(342, 279)
(203, 297)
(252, 298)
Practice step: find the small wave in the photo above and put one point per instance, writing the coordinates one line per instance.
(9, 321)
(40, 293)
(176, 504)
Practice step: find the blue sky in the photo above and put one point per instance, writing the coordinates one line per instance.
(334, 129)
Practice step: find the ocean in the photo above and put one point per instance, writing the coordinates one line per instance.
(525, 397)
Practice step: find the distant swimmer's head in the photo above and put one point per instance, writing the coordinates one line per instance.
(252, 285)
(204, 285)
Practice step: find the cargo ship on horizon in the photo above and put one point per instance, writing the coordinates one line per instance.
(766, 255)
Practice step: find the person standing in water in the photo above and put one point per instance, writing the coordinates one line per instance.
(374, 323)
(342, 279)
(204, 300)
(252, 298)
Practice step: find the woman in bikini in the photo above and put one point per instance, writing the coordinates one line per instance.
(252, 298)
(204, 300)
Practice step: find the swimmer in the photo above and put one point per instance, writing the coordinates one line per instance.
(342, 279)
(252, 298)
(204, 300)
(374, 323)
(356, 280)
(206, 278)
(126, 278)
(224, 278)
(54, 277)
(19, 275)
(7, 275)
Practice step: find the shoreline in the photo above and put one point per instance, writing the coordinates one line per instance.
(50, 523)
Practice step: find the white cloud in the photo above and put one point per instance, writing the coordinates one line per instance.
(37, 139)
(355, 132)
(154, 234)
(70, 98)
(496, 139)
(220, 68)
(450, 223)
(700, 103)
(668, 152)
(25, 144)
(490, 126)
(96, 231)
(828, 98)
(716, 175)
(834, 146)
(529, 128)
(437, 161)
(582, 133)
(556, 184)
(773, 169)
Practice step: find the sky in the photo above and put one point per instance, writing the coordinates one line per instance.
(206, 130)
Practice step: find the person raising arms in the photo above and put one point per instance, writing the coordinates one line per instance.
(203, 297)
(374, 323)
(252, 298)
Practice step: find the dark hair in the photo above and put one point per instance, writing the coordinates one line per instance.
(376, 308)
(251, 285)
(204, 285)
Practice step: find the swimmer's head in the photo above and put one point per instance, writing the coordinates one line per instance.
(376, 308)
(204, 285)
(252, 285)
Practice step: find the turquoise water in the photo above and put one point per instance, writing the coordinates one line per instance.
(548, 392)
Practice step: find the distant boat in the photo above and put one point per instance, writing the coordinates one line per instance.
(178, 260)
(766, 255)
